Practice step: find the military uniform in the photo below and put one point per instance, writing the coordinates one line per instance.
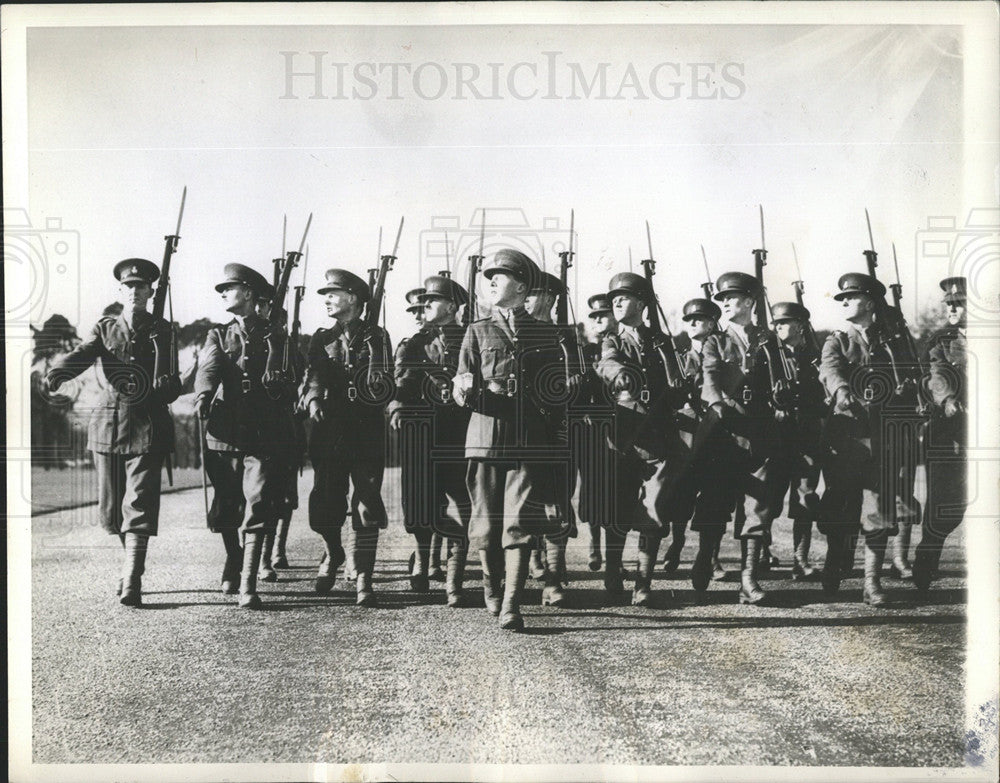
(650, 452)
(514, 366)
(130, 431)
(432, 439)
(946, 439)
(249, 429)
(349, 374)
(868, 456)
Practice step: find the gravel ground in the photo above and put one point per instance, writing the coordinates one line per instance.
(190, 678)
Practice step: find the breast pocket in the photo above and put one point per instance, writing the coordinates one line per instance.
(495, 363)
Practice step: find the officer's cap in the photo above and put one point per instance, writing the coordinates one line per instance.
(514, 263)
(548, 284)
(599, 304)
(266, 293)
(788, 311)
(857, 283)
(701, 308)
(735, 283)
(629, 283)
(413, 300)
(440, 287)
(954, 289)
(244, 275)
(342, 280)
(136, 270)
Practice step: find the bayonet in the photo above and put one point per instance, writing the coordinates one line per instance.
(180, 215)
(707, 287)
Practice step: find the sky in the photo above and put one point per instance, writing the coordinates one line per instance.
(694, 127)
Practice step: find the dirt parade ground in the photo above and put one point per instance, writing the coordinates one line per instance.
(691, 681)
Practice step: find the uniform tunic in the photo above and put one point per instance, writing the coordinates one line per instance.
(871, 444)
(249, 430)
(591, 423)
(349, 373)
(130, 429)
(432, 433)
(513, 432)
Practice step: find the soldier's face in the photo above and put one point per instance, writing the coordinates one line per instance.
(956, 313)
(506, 290)
(737, 307)
(627, 309)
(437, 311)
(599, 325)
(237, 299)
(539, 305)
(338, 302)
(418, 316)
(789, 331)
(699, 328)
(856, 307)
(135, 295)
(263, 308)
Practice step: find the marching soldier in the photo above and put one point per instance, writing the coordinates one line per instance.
(593, 458)
(947, 466)
(131, 431)
(859, 493)
(248, 425)
(506, 367)
(432, 435)
(649, 451)
(701, 320)
(348, 385)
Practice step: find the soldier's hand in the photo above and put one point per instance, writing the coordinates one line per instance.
(395, 420)
(573, 383)
(952, 407)
(315, 410)
(204, 404)
(462, 387)
(843, 400)
(780, 415)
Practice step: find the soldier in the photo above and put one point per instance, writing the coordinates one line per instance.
(593, 458)
(701, 320)
(131, 431)
(746, 433)
(414, 307)
(857, 373)
(248, 423)
(505, 369)
(946, 450)
(348, 386)
(649, 451)
(432, 435)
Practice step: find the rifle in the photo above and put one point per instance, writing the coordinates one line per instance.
(895, 336)
(276, 367)
(708, 286)
(475, 266)
(781, 371)
(293, 341)
(165, 344)
(446, 272)
(374, 310)
(563, 306)
(663, 340)
(373, 272)
(800, 290)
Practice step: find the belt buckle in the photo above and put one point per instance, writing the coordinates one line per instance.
(352, 393)
(747, 394)
(644, 395)
(130, 387)
(869, 394)
(446, 394)
(246, 385)
(511, 386)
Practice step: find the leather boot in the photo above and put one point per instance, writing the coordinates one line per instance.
(248, 579)
(121, 537)
(537, 567)
(614, 545)
(801, 539)
(750, 591)
(925, 564)
(455, 576)
(836, 547)
(492, 563)
(672, 559)
(281, 538)
(874, 558)
(133, 568)
(552, 593)
(234, 562)
(594, 561)
(419, 564)
(701, 571)
(718, 572)
(434, 571)
(901, 568)
(267, 573)
(366, 592)
(333, 558)
(642, 592)
(516, 568)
